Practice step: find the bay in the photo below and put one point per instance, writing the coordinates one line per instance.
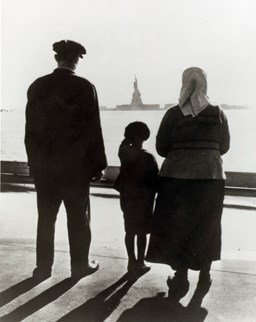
(241, 156)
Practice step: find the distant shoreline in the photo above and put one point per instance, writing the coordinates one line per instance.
(167, 106)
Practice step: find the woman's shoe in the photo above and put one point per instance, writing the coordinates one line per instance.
(178, 287)
(203, 286)
(204, 283)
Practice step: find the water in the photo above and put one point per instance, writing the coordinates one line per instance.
(241, 157)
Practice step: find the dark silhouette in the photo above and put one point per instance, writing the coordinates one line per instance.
(161, 309)
(102, 305)
(97, 309)
(187, 219)
(65, 152)
(39, 301)
(137, 184)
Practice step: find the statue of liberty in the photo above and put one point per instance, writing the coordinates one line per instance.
(136, 99)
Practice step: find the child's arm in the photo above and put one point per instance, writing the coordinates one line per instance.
(151, 172)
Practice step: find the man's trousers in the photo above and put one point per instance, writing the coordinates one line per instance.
(74, 192)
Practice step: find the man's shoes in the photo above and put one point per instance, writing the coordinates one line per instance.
(92, 267)
(41, 274)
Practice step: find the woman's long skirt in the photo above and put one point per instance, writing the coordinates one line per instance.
(186, 229)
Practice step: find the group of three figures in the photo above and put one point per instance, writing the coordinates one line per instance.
(65, 149)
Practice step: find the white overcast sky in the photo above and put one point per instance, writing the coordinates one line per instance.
(154, 39)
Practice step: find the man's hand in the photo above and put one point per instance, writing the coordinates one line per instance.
(31, 171)
(97, 176)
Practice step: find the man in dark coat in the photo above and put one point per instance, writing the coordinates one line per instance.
(65, 152)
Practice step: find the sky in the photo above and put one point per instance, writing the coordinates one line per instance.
(152, 39)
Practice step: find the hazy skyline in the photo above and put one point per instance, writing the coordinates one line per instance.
(156, 40)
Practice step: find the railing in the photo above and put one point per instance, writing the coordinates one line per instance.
(237, 183)
(16, 172)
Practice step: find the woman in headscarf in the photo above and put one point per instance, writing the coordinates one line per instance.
(187, 220)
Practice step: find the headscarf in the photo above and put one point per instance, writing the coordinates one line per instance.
(193, 98)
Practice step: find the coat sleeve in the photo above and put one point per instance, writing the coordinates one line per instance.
(32, 130)
(151, 172)
(96, 144)
(225, 135)
(163, 138)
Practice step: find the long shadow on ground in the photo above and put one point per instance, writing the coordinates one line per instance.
(39, 301)
(102, 305)
(161, 309)
(16, 290)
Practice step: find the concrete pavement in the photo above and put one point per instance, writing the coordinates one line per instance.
(108, 295)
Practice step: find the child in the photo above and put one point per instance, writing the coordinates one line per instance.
(137, 184)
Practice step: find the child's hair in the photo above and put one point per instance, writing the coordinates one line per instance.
(137, 130)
